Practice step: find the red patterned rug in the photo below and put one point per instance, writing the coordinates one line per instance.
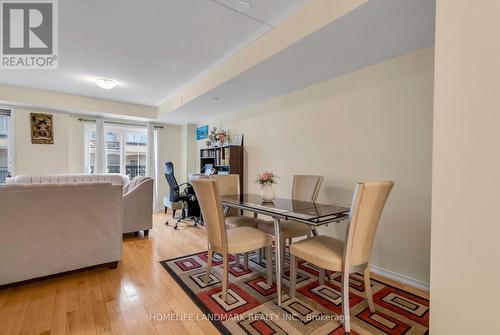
(315, 310)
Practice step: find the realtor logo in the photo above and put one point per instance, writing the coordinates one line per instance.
(29, 34)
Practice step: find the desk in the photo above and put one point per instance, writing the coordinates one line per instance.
(307, 212)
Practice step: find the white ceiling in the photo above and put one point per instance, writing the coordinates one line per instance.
(374, 32)
(152, 48)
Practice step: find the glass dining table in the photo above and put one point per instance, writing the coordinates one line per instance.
(307, 212)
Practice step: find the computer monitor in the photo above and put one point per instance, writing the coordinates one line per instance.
(208, 169)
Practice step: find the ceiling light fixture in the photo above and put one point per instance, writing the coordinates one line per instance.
(242, 6)
(106, 83)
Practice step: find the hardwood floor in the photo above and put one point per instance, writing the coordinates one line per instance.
(118, 301)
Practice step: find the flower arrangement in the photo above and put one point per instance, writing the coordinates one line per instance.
(218, 135)
(266, 178)
(222, 136)
(211, 136)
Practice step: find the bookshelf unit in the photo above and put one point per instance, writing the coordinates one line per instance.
(226, 159)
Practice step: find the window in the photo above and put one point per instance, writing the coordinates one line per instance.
(113, 150)
(5, 137)
(90, 149)
(126, 149)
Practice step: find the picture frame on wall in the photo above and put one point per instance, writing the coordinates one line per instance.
(42, 128)
(202, 132)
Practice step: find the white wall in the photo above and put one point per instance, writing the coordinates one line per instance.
(465, 274)
(372, 124)
(169, 150)
(39, 159)
(188, 152)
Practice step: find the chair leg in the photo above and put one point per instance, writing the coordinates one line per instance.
(282, 253)
(166, 209)
(245, 261)
(237, 260)
(269, 265)
(328, 277)
(322, 276)
(368, 289)
(261, 252)
(293, 275)
(209, 265)
(345, 301)
(225, 276)
(173, 213)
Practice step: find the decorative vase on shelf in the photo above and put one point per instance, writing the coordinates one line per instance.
(267, 193)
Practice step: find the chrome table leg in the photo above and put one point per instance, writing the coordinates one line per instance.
(277, 250)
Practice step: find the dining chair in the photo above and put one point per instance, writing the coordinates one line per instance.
(227, 241)
(305, 188)
(230, 184)
(351, 255)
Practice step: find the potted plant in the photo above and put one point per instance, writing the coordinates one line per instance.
(212, 136)
(266, 180)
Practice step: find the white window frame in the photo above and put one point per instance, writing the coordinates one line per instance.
(86, 161)
(120, 130)
(11, 153)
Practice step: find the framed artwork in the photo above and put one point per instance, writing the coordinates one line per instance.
(42, 129)
(202, 132)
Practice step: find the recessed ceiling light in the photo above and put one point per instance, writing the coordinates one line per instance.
(242, 6)
(106, 83)
(216, 98)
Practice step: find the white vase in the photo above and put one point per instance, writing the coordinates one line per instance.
(267, 193)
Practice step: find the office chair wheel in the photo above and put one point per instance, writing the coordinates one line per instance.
(177, 223)
(198, 223)
(195, 220)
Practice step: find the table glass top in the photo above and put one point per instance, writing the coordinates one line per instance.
(289, 208)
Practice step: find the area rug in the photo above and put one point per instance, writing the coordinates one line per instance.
(316, 309)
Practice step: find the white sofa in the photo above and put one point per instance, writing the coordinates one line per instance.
(138, 205)
(137, 194)
(48, 229)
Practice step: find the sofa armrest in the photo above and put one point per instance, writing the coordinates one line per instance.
(138, 207)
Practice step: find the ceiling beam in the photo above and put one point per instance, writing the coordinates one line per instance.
(70, 103)
(312, 17)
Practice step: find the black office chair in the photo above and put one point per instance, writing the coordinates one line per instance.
(187, 196)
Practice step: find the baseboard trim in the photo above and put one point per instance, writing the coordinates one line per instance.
(400, 278)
